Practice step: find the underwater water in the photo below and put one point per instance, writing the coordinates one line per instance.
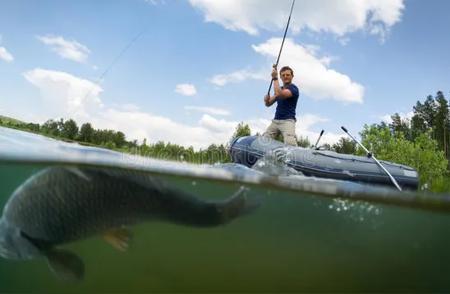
(312, 236)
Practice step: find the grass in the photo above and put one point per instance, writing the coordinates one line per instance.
(441, 185)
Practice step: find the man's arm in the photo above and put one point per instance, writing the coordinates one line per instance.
(280, 93)
(269, 100)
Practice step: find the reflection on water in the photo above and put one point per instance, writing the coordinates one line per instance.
(357, 210)
(293, 242)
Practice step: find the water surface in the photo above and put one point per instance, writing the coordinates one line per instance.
(308, 235)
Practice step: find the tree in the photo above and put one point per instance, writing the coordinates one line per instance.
(423, 154)
(429, 111)
(442, 122)
(399, 125)
(69, 129)
(304, 142)
(345, 146)
(33, 127)
(51, 127)
(86, 133)
(418, 126)
(119, 139)
(242, 130)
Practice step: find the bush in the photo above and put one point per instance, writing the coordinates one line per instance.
(422, 154)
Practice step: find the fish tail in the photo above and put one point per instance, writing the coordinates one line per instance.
(200, 213)
(237, 205)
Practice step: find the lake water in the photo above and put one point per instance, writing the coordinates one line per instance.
(307, 235)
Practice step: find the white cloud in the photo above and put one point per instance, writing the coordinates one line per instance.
(5, 55)
(155, 2)
(387, 117)
(68, 96)
(337, 17)
(186, 89)
(236, 77)
(208, 110)
(218, 126)
(65, 94)
(307, 121)
(140, 125)
(71, 50)
(312, 73)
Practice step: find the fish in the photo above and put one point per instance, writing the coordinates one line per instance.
(63, 204)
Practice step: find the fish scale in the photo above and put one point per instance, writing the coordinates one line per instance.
(66, 204)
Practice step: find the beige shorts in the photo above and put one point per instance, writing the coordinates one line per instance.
(284, 126)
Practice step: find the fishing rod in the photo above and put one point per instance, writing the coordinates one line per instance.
(370, 155)
(282, 44)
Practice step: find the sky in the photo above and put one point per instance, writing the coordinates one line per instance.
(187, 72)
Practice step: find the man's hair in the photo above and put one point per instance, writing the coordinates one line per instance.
(285, 68)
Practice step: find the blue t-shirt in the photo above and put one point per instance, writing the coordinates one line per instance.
(286, 107)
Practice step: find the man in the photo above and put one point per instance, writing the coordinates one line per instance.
(286, 98)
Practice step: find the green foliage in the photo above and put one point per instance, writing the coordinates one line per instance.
(69, 129)
(400, 126)
(33, 127)
(442, 122)
(303, 142)
(119, 139)
(442, 184)
(5, 120)
(213, 154)
(345, 146)
(109, 145)
(325, 146)
(86, 133)
(422, 154)
(242, 130)
(51, 127)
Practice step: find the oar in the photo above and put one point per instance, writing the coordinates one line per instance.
(282, 43)
(370, 155)
(318, 139)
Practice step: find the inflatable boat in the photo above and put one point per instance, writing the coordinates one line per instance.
(324, 164)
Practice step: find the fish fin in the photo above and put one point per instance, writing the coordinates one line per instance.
(78, 172)
(239, 204)
(66, 265)
(119, 238)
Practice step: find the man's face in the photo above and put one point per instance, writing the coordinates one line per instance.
(286, 76)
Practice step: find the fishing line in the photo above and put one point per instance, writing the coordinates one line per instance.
(282, 44)
(115, 60)
(125, 49)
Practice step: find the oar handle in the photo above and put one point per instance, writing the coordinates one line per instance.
(318, 139)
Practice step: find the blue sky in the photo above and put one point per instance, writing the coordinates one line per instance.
(199, 67)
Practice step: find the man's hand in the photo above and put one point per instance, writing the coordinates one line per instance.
(274, 72)
(266, 99)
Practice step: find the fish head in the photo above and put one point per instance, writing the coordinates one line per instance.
(13, 244)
